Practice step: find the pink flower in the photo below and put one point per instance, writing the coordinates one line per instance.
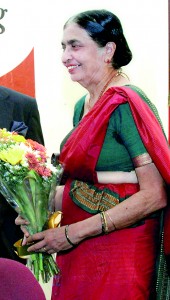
(43, 156)
(37, 165)
(36, 146)
(43, 171)
(32, 160)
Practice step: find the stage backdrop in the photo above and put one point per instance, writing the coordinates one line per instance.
(30, 55)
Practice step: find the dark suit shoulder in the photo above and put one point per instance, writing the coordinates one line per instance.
(15, 96)
(22, 108)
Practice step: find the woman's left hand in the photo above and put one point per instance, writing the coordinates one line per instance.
(23, 223)
(50, 240)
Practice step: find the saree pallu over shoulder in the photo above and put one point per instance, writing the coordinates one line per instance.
(82, 149)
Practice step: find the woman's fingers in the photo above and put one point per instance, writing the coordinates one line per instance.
(24, 241)
(25, 231)
(21, 221)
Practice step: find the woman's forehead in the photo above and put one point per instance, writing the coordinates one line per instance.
(74, 32)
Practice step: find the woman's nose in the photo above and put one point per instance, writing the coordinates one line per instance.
(66, 55)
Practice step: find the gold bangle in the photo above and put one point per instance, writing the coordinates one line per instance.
(104, 222)
(106, 212)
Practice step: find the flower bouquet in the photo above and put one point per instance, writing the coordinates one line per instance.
(28, 183)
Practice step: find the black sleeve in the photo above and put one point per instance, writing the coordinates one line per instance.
(34, 125)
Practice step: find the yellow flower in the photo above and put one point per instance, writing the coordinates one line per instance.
(12, 155)
(4, 132)
(11, 136)
(18, 138)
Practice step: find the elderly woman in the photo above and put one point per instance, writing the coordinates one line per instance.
(115, 160)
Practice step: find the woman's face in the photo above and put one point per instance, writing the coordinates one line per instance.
(82, 57)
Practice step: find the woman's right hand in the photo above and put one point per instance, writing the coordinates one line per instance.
(23, 223)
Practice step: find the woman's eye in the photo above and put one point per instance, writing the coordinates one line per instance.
(75, 46)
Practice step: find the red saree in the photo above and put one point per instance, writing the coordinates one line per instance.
(109, 267)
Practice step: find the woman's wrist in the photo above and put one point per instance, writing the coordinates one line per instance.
(85, 229)
(93, 226)
(68, 237)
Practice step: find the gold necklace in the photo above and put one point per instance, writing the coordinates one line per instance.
(103, 90)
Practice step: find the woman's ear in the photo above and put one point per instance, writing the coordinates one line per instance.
(109, 51)
(110, 47)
